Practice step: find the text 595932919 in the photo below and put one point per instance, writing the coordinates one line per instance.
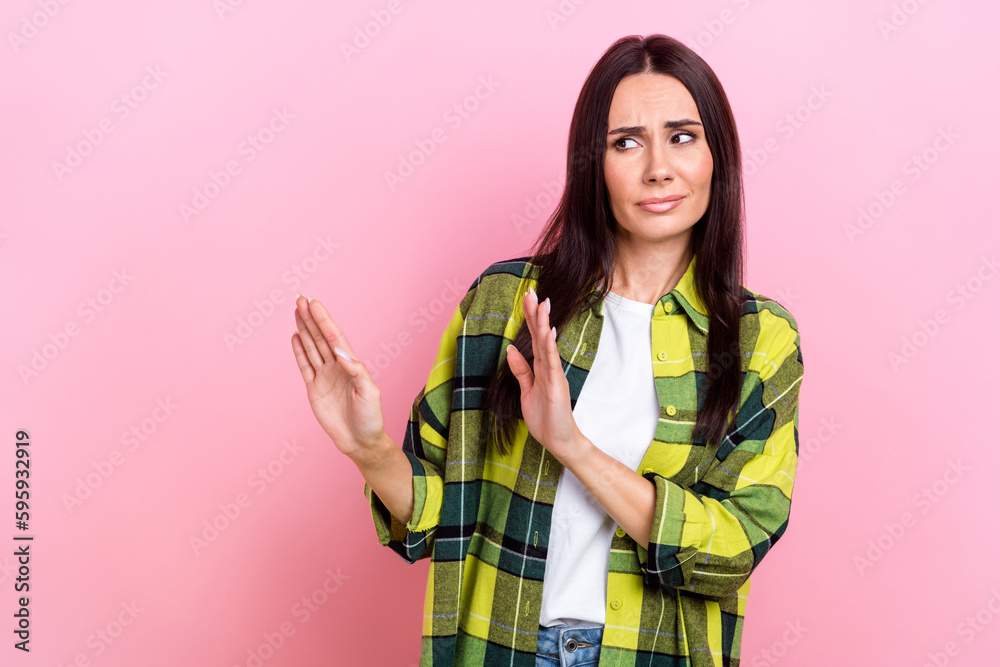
(22, 543)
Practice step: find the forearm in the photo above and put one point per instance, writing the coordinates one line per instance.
(627, 497)
(389, 474)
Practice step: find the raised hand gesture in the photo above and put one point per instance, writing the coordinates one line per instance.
(545, 400)
(342, 393)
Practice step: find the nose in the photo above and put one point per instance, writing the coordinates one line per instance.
(659, 166)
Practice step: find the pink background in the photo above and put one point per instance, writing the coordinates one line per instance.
(124, 305)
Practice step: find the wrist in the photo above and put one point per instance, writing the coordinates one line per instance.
(371, 454)
(582, 449)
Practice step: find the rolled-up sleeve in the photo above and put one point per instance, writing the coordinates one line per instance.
(708, 538)
(425, 444)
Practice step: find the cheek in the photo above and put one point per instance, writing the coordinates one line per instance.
(614, 183)
(702, 171)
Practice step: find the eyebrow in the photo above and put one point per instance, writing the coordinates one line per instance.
(639, 129)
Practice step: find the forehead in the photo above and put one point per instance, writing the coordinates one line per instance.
(647, 97)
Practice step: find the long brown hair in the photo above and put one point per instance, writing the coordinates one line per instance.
(578, 245)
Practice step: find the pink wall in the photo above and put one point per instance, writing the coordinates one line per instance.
(155, 407)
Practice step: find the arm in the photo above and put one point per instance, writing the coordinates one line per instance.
(388, 474)
(421, 460)
(707, 539)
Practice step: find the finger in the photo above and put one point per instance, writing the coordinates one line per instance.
(519, 367)
(308, 343)
(331, 333)
(554, 363)
(307, 310)
(537, 344)
(364, 383)
(543, 359)
(305, 366)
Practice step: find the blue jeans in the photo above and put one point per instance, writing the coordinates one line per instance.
(563, 646)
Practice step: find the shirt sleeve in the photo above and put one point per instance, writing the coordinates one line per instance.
(425, 444)
(709, 537)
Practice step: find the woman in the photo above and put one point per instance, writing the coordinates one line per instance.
(606, 444)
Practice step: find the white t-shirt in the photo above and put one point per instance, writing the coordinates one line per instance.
(617, 410)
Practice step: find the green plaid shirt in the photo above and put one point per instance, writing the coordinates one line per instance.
(485, 521)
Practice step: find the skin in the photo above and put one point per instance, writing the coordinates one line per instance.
(654, 250)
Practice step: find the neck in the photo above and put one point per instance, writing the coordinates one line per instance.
(646, 272)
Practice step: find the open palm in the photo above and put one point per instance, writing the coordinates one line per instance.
(342, 394)
(545, 400)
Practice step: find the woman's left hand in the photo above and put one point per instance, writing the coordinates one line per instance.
(545, 401)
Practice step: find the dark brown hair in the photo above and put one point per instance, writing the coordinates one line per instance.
(578, 245)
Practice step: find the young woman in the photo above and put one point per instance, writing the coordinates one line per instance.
(606, 445)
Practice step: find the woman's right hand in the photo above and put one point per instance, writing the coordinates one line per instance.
(342, 393)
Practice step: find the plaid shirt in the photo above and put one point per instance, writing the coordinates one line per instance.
(485, 521)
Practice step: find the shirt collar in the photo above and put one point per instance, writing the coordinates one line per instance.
(684, 293)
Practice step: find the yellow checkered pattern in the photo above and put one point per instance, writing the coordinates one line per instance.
(484, 521)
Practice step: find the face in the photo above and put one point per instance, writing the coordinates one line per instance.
(656, 148)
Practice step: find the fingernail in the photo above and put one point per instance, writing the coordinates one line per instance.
(548, 305)
(553, 333)
(533, 295)
(310, 299)
(341, 353)
(297, 295)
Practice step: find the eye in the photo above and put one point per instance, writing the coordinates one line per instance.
(619, 147)
(681, 134)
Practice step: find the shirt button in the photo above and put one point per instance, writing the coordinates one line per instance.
(668, 306)
(646, 471)
(671, 410)
(662, 355)
(616, 604)
(620, 532)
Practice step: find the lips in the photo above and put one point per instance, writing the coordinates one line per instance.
(660, 204)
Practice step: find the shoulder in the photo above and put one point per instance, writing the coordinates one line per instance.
(769, 330)
(508, 270)
(502, 281)
(766, 310)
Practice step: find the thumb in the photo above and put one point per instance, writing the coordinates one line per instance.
(364, 383)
